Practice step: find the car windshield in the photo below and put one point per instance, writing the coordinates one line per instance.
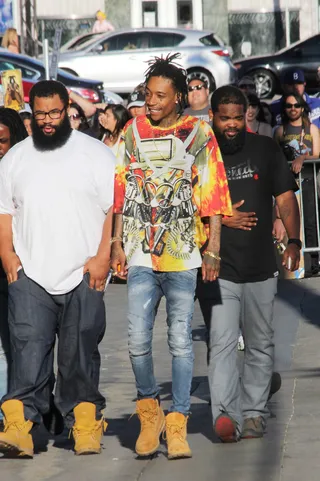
(85, 44)
(291, 46)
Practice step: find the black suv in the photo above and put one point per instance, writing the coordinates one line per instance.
(267, 70)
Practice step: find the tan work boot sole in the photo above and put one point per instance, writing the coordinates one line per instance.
(154, 450)
(86, 452)
(13, 451)
(187, 454)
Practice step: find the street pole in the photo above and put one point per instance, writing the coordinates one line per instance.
(287, 24)
(46, 58)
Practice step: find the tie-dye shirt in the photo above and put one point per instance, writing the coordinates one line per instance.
(170, 178)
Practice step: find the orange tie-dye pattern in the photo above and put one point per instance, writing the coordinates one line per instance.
(210, 196)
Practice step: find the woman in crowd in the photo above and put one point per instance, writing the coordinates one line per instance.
(10, 40)
(255, 117)
(113, 119)
(78, 120)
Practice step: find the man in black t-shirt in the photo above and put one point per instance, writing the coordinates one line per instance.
(243, 296)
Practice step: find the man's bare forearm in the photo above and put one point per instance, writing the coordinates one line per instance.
(6, 239)
(214, 233)
(105, 246)
(118, 225)
(289, 213)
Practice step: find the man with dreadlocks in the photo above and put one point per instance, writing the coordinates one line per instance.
(12, 131)
(172, 176)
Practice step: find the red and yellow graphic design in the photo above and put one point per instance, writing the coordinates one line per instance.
(169, 179)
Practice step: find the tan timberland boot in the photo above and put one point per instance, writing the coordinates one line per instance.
(176, 436)
(152, 422)
(87, 431)
(16, 439)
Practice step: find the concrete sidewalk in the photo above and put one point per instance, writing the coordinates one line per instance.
(288, 451)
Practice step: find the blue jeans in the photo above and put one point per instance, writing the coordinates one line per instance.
(145, 289)
(35, 317)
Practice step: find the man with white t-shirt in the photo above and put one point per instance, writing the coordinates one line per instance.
(56, 197)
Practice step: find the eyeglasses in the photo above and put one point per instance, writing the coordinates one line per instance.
(293, 106)
(54, 114)
(196, 87)
(74, 117)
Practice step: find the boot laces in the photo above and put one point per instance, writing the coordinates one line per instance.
(147, 417)
(15, 425)
(92, 431)
(175, 430)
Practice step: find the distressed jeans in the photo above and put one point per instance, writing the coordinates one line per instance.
(145, 289)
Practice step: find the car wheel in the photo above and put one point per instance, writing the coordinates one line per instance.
(203, 75)
(265, 83)
(71, 72)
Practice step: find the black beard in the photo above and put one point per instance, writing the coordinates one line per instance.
(44, 142)
(230, 146)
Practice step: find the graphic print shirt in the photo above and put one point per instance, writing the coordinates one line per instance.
(170, 178)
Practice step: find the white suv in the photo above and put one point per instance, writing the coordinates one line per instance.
(120, 59)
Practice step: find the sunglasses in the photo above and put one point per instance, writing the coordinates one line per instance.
(74, 117)
(247, 86)
(196, 87)
(293, 106)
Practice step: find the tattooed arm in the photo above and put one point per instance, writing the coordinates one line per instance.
(211, 258)
(290, 216)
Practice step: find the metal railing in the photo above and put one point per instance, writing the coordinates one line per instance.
(316, 166)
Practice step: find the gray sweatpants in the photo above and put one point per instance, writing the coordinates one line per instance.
(249, 306)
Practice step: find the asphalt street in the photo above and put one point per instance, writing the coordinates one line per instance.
(289, 450)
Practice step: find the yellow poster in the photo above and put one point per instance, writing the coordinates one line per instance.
(12, 89)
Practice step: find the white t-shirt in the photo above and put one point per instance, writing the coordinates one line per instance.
(58, 200)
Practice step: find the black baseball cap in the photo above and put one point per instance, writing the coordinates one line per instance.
(136, 99)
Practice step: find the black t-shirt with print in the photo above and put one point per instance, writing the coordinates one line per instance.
(255, 174)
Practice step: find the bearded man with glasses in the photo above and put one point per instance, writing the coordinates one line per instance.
(198, 99)
(56, 198)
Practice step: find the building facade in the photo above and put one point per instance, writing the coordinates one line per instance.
(250, 26)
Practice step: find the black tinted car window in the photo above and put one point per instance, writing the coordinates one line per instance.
(311, 47)
(210, 41)
(162, 40)
(125, 41)
(110, 44)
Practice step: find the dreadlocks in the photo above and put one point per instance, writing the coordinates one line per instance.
(11, 119)
(169, 69)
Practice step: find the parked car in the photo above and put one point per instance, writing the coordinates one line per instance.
(267, 70)
(34, 70)
(120, 58)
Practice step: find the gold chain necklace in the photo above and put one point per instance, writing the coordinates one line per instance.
(153, 138)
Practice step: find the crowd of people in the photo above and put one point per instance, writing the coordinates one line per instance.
(181, 192)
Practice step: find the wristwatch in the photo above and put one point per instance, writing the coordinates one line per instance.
(297, 242)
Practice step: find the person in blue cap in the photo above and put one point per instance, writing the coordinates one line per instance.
(294, 82)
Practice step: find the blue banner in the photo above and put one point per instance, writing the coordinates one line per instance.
(6, 15)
